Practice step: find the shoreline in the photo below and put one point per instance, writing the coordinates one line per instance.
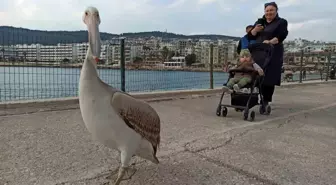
(131, 68)
(127, 67)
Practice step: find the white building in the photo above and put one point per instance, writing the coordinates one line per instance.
(169, 45)
(55, 53)
(175, 62)
(8, 52)
(28, 52)
(79, 51)
(314, 48)
(113, 54)
(136, 51)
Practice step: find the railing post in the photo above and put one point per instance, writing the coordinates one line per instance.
(301, 66)
(211, 67)
(328, 66)
(122, 63)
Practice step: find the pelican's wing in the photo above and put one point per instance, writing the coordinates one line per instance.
(108, 87)
(139, 116)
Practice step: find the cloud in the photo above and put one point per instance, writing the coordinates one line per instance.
(176, 3)
(306, 18)
(288, 3)
(206, 1)
(324, 28)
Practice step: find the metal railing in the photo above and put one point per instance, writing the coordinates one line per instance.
(301, 66)
(31, 68)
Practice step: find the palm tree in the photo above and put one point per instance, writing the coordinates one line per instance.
(164, 53)
(25, 56)
(3, 53)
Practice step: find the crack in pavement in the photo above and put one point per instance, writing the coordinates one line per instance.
(229, 166)
(236, 169)
(240, 134)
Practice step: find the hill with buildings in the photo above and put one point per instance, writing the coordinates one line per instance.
(13, 35)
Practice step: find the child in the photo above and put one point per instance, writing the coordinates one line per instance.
(244, 42)
(241, 79)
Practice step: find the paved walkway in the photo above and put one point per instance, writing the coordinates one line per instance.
(294, 145)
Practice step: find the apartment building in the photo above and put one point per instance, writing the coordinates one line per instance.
(331, 47)
(79, 51)
(10, 52)
(55, 53)
(220, 54)
(314, 48)
(113, 55)
(169, 45)
(27, 52)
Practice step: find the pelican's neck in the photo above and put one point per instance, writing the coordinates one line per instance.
(89, 68)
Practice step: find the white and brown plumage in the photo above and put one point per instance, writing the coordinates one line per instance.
(113, 117)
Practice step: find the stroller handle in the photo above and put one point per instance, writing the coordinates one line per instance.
(267, 48)
(261, 46)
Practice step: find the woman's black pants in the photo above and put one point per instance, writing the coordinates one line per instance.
(267, 92)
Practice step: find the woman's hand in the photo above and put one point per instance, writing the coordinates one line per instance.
(266, 42)
(256, 29)
(274, 41)
(260, 72)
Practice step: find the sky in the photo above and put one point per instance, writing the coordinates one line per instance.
(308, 19)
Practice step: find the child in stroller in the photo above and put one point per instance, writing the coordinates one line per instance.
(241, 79)
(249, 75)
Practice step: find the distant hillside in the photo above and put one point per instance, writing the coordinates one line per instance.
(178, 36)
(12, 35)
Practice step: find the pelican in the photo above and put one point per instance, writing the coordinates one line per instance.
(114, 118)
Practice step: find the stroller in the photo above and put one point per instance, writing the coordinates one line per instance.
(261, 54)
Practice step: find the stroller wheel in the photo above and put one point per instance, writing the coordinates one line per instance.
(224, 111)
(218, 111)
(252, 116)
(246, 114)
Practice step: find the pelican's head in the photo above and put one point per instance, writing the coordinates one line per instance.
(92, 20)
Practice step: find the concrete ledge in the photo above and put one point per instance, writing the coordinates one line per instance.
(147, 96)
(305, 83)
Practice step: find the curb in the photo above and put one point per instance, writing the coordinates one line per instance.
(148, 96)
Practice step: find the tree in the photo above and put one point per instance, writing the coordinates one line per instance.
(164, 53)
(146, 48)
(3, 53)
(65, 60)
(101, 61)
(25, 56)
(190, 59)
(137, 60)
(171, 54)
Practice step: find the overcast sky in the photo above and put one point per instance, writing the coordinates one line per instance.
(310, 19)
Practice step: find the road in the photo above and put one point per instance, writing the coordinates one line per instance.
(294, 145)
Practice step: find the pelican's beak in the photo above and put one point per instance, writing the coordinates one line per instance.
(94, 36)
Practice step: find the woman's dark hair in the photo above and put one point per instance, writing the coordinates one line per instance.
(249, 26)
(271, 4)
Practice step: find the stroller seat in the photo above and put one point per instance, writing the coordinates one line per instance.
(261, 54)
(250, 86)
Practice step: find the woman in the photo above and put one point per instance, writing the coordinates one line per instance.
(271, 29)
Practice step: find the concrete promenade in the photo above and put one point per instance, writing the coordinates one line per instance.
(296, 144)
